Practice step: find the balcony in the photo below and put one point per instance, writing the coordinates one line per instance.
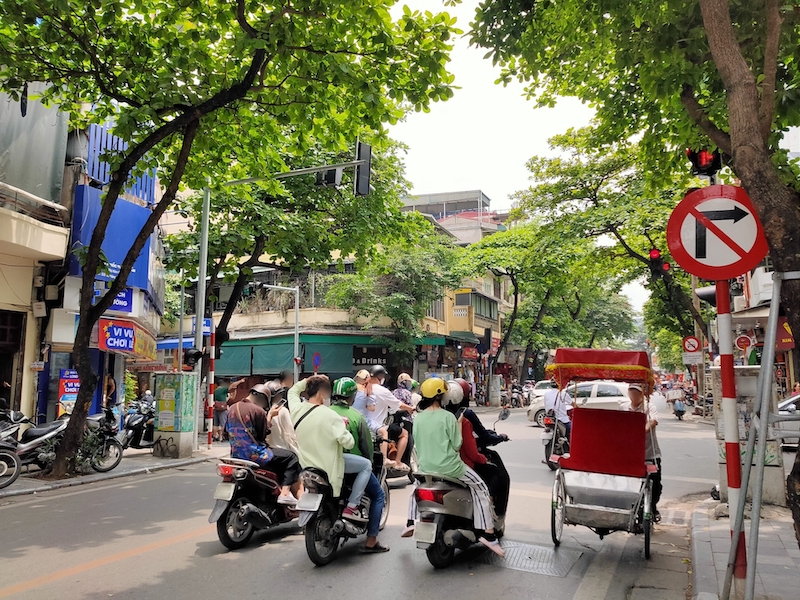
(31, 227)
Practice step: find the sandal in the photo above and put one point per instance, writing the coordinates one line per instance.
(378, 548)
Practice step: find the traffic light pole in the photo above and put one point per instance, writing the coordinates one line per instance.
(200, 306)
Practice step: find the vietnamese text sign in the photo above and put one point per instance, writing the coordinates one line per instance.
(116, 336)
(68, 385)
(693, 358)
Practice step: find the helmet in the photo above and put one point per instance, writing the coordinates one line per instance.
(262, 389)
(403, 377)
(432, 387)
(378, 370)
(464, 386)
(454, 394)
(275, 389)
(344, 387)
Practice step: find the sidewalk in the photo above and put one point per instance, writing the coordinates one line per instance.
(134, 462)
(778, 567)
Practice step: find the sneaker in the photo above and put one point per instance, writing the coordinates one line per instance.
(352, 514)
(402, 467)
(656, 517)
(494, 546)
(288, 500)
(408, 531)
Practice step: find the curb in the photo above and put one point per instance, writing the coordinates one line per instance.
(86, 479)
(704, 574)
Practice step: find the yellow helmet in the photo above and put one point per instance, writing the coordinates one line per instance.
(432, 387)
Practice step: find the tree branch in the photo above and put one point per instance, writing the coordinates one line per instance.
(242, 20)
(766, 110)
(701, 119)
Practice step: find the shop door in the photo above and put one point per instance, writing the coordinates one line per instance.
(11, 325)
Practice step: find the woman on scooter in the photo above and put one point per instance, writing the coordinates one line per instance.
(438, 440)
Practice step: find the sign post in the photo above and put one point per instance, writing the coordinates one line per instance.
(714, 233)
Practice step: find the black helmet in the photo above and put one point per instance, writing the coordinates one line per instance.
(262, 390)
(276, 390)
(378, 370)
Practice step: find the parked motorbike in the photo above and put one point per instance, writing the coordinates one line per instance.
(10, 465)
(446, 520)
(321, 510)
(246, 501)
(554, 439)
(139, 425)
(105, 429)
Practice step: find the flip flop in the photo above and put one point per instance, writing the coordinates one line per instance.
(378, 548)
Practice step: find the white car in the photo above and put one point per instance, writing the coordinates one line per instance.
(603, 394)
(786, 407)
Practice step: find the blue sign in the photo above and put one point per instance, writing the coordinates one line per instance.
(116, 336)
(316, 360)
(206, 326)
(122, 303)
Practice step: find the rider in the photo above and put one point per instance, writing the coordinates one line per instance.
(438, 439)
(248, 427)
(560, 402)
(282, 431)
(652, 449)
(386, 403)
(344, 391)
(322, 437)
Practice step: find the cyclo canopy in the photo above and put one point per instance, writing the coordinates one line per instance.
(577, 364)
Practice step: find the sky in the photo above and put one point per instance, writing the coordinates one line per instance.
(482, 138)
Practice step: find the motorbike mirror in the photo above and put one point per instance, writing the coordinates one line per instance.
(504, 414)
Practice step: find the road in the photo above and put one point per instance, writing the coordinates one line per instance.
(148, 537)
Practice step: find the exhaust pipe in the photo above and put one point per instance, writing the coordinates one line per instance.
(254, 515)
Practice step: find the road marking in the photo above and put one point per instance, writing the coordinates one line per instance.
(93, 564)
(600, 575)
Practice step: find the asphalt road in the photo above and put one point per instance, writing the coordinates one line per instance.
(148, 537)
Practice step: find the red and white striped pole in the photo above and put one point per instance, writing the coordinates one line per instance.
(211, 387)
(730, 417)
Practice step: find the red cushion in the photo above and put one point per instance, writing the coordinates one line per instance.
(607, 441)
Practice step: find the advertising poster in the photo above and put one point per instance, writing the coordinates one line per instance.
(68, 386)
(116, 336)
(166, 405)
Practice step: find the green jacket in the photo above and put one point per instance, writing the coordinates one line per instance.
(357, 425)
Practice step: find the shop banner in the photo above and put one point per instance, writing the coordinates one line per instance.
(785, 339)
(144, 345)
(469, 353)
(116, 336)
(68, 386)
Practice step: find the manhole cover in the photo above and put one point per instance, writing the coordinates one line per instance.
(533, 559)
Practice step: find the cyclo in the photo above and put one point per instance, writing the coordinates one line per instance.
(604, 482)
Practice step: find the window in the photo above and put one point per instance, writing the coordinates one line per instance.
(605, 390)
(584, 391)
(463, 299)
(436, 310)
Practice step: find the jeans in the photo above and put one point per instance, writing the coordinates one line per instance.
(657, 487)
(377, 498)
(363, 468)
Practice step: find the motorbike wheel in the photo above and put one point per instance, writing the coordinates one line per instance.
(557, 511)
(414, 465)
(385, 512)
(440, 555)
(547, 453)
(232, 532)
(108, 456)
(10, 467)
(321, 542)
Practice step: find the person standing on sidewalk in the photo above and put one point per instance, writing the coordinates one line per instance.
(652, 450)
(220, 409)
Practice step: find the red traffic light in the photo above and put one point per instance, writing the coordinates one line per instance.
(704, 162)
(704, 158)
(666, 266)
(655, 254)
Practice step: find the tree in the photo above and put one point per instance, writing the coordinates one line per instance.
(214, 89)
(401, 281)
(305, 228)
(708, 73)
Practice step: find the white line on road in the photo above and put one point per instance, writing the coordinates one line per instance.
(600, 575)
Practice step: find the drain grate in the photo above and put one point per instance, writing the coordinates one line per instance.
(533, 559)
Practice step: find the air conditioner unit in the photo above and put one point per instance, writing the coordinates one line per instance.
(739, 303)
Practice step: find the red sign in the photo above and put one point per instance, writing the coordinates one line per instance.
(470, 353)
(714, 233)
(785, 340)
(743, 342)
(495, 345)
(691, 344)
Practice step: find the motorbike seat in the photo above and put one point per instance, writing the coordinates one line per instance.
(35, 432)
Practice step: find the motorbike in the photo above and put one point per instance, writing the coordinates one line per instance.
(516, 396)
(321, 510)
(409, 458)
(139, 425)
(10, 465)
(445, 516)
(246, 501)
(680, 409)
(554, 439)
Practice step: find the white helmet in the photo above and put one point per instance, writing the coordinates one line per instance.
(454, 394)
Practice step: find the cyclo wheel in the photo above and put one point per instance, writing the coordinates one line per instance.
(557, 509)
(647, 521)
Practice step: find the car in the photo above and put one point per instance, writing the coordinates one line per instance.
(786, 407)
(602, 394)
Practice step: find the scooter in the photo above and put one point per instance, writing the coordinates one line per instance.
(321, 510)
(446, 520)
(139, 425)
(680, 409)
(554, 439)
(516, 396)
(246, 501)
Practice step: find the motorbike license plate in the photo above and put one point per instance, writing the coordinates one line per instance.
(425, 533)
(309, 502)
(546, 437)
(224, 491)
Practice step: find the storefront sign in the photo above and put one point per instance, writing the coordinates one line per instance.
(450, 355)
(433, 358)
(116, 336)
(144, 345)
(366, 356)
(469, 353)
(37, 365)
(785, 338)
(495, 345)
(122, 303)
(68, 386)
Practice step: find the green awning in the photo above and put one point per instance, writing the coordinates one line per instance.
(235, 360)
(334, 358)
(269, 359)
(464, 336)
(437, 340)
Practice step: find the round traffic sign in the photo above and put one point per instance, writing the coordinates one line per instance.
(316, 360)
(691, 344)
(714, 233)
(743, 342)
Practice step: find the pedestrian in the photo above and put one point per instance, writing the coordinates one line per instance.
(220, 410)
(796, 388)
(652, 450)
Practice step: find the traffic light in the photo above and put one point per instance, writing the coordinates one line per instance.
(329, 178)
(704, 162)
(657, 265)
(191, 356)
(361, 183)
